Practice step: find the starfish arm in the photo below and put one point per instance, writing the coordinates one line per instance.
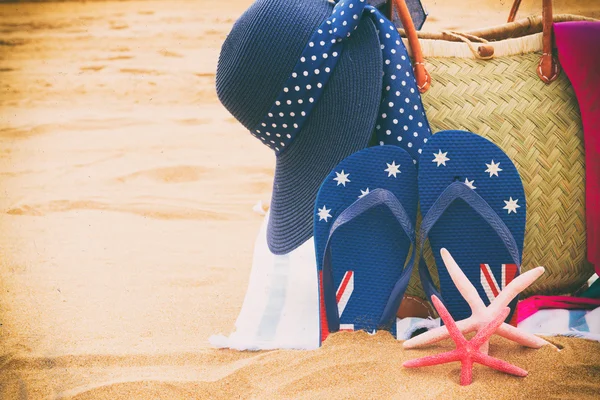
(498, 364)
(466, 372)
(511, 290)
(437, 334)
(453, 330)
(484, 333)
(523, 338)
(465, 287)
(442, 358)
(485, 347)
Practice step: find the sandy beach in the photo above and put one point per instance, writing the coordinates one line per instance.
(128, 230)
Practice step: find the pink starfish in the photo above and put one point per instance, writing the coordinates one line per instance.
(481, 315)
(467, 351)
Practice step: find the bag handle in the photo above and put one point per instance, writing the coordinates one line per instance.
(513, 11)
(421, 75)
(548, 69)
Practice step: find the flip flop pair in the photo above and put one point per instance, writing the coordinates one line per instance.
(473, 204)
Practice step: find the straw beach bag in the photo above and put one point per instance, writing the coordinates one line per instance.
(505, 84)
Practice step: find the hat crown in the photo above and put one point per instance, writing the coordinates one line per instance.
(261, 51)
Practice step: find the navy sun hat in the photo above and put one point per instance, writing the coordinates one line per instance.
(256, 61)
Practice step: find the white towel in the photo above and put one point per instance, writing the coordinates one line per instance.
(281, 307)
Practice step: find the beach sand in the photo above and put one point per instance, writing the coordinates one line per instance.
(127, 223)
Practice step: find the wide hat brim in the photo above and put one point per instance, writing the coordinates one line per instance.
(256, 59)
(341, 124)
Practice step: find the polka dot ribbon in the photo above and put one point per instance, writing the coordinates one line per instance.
(401, 119)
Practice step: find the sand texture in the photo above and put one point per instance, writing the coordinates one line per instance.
(127, 223)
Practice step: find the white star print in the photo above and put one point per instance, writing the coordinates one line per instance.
(493, 169)
(363, 193)
(324, 213)
(470, 183)
(341, 178)
(393, 169)
(440, 158)
(511, 205)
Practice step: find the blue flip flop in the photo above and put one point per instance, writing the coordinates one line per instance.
(473, 204)
(365, 214)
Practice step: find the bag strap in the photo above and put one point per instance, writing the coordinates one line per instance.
(513, 11)
(421, 75)
(548, 68)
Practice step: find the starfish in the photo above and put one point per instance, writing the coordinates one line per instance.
(467, 351)
(481, 315)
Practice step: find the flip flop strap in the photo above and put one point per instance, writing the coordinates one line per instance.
(454, 191)
(373, 199)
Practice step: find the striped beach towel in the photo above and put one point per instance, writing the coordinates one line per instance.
(561, 322)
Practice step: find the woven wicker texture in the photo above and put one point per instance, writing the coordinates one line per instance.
(539, 127)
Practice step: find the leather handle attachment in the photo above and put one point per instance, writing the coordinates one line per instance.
(548, 68)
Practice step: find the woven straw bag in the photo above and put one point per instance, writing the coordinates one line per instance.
(491, 88)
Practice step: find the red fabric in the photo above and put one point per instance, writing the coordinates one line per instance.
(511, 272)
(579, 54)
(322, 313)
(531, 305)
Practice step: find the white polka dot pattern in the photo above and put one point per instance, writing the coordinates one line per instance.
(309, 77)
(401, 120)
